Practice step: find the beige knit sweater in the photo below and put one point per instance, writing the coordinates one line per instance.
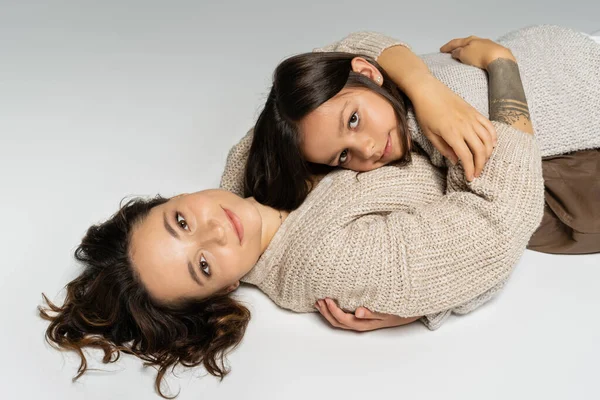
(412, 240)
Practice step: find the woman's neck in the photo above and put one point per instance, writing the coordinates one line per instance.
(272, 219)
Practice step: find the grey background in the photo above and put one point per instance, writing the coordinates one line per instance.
(101, 100)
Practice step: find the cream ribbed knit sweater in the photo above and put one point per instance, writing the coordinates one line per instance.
(391, 240)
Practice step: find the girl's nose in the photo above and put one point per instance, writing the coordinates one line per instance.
(366, 147)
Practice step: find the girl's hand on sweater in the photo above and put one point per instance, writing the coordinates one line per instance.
(476, 51)
(456, 129)
(362, 320)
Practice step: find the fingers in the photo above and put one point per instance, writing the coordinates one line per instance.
(340, 319)
(456, 53)
(455, 43)
(487, 141)
(487, 124)
(479, 152)
(339, 314)
(444, 148)
(326, 313)
(465, 157)
(365, 313)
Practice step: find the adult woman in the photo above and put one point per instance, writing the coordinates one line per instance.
(158, 273)
(299, 131)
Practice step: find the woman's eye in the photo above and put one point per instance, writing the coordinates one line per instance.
(343, 156)
(204, 267)
(181, 221)
(353, 122)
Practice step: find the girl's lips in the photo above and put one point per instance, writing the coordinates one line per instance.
(388, 148)
(236, 223)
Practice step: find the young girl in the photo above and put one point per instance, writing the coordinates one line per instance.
(343, 109)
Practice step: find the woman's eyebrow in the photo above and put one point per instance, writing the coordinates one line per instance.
(168, 227)
(174, 233)
(194, 274)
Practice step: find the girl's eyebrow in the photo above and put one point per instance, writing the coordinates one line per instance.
(342, 122)
(340, 129)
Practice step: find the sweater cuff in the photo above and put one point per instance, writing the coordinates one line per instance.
(370, 44)
(434, 321)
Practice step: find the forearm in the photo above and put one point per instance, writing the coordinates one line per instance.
(405, 68)
(480, 229)
(507, 101)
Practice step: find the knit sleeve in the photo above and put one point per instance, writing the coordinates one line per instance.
(370, 44)
(454, 250)
(233, 175)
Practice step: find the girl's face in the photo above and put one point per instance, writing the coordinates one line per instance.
(357, 129)
(196, 245)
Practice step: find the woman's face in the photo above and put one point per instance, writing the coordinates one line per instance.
(196, 245)
(357, 129)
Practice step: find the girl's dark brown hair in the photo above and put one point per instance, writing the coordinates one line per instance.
(276, 173)
(108, 308)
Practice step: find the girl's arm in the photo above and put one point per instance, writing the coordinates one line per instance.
(453, 126)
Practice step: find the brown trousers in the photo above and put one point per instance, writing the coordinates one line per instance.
(571, 222)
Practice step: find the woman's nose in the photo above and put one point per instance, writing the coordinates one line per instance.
(213, 232)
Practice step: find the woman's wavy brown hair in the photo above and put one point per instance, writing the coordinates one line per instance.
(108, 308)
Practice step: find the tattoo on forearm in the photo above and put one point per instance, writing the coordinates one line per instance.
(506, 94)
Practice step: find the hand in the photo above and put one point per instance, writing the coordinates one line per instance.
(454, 127)
(362, 320)
(476, 51)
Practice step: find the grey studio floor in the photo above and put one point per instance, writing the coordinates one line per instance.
(102, 100)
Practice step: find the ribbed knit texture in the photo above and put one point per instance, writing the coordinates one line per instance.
(371, 242)
(560, 71)
(391, 241)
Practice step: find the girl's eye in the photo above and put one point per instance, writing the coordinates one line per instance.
(204, 267)
(353, 121)
(343, 156)
(181, 221)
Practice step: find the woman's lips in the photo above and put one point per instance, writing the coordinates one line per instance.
(236, 223)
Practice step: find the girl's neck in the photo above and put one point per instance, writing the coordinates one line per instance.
(272, 220)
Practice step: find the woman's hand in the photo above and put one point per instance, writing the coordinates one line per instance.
(362, 320)
(508, 103)
(476, 51)
(453, 126)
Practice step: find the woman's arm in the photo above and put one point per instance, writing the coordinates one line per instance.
(461, 246)
(508, 106)
(507, 101)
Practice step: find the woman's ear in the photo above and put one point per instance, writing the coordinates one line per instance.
(362, 66)
(232, 287)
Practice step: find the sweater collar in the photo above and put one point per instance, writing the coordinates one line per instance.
(271, 256)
